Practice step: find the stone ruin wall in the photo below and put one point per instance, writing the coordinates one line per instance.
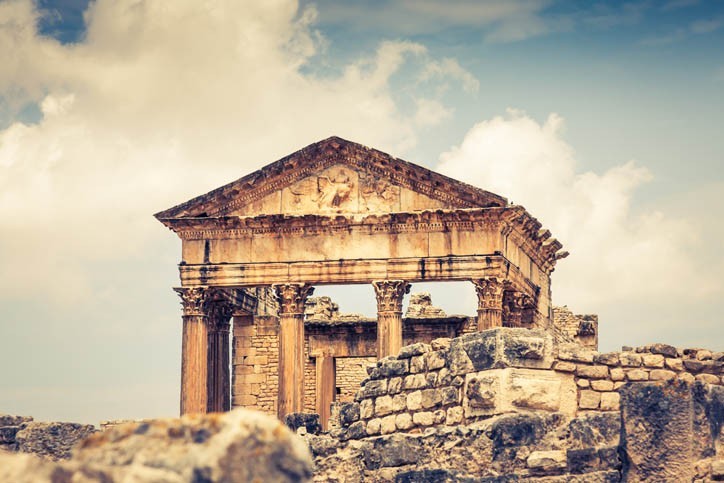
(513, 405)
(505, 370)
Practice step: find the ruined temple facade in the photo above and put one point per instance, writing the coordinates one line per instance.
(340, 213)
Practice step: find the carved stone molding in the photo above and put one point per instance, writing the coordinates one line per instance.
(390, 294)
(292, 297)
(490, 293)
(193, 300)
(219, 313)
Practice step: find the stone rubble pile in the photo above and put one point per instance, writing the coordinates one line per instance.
(240, 445)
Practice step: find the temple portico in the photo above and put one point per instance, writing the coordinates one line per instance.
(338, 213)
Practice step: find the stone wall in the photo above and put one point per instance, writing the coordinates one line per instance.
(512, 405)
(255, 359)
(351, 371)
(580, 328)
(505, 370)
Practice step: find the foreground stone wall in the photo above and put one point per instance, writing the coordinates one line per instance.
(511, 405)
(667, 431)
(504, 370)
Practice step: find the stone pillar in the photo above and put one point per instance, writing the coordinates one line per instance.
(490, 302)
(389, 315)
(326, 387)
(292, 297)
(219, 397)
(194, 350)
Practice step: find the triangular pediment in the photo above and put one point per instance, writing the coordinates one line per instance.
(336, 176)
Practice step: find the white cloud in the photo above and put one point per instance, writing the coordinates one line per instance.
(618, 254)
(163, 101)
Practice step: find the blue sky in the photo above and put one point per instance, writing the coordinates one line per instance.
(603, 119)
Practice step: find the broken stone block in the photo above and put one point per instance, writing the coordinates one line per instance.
(391, 451)
(416, 349)
(308, 421)
(657, 431)
(349, 413)
(545, 461)
(383, 405)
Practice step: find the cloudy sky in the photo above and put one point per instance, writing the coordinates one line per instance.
(604, 119)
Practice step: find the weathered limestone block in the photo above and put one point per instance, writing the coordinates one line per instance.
(575, 353)
(415, 349)
(52, 440)
(399, 402)
(388, 424)
(501, 347)
(414, 400)
(661, 375)
(545, 461)
(392, 367)
(657, 431)
(423, 418)
(509, 390)
(403, 421)
(592, 372)
(383, 405)
(431, 398)
(394, 385)
(391, 451)
(589, 400)
(653, 360)
(637, 375)
(434, 360)
(349, 413)
(663, 349)
(601, 385)
(373, 389)
(630, 359)
(593, 430)
(441, 343)
(610, 401)
(366, 408)
(414, 381)
(417, 364)
(308, 421)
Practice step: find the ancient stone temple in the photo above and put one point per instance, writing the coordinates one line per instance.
(338, 213)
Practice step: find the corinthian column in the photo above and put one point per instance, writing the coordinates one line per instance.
(389, 315)
(292, 297)
(490, 302)
(219, 378)
(194, 350)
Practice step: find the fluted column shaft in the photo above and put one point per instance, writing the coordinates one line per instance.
(390, 294)
(219, 377)
(194, 351)
(292, 298)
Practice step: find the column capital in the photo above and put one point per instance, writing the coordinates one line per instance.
(490, 292)
(292, 297)
(193, 300)
(390, 294)
(219, 312)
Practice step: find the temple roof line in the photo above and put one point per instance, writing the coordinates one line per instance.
(334, 150)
